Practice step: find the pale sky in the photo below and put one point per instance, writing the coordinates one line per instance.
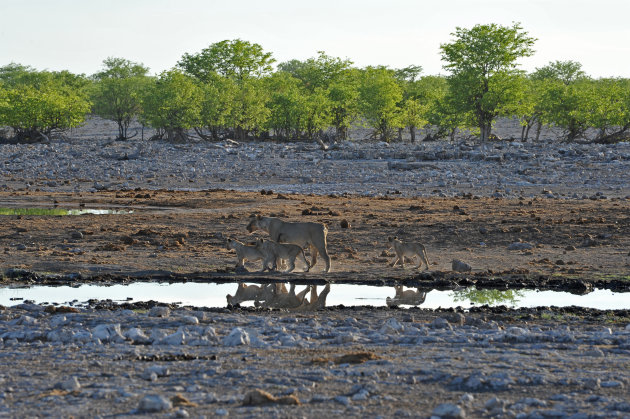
(77, 35)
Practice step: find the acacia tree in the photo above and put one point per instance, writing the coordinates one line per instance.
(249, 111)
(379, 96)
(117, 92)
(610, 110)
(482, 63)
(286, 105)
(412, 108)
(344, 95)
(562, 97)
(217, 106)
(327, 89)
(37, 104)
(245, 64)
(172, 105)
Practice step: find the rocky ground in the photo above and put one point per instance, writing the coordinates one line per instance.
(544, 214)
(337, 363)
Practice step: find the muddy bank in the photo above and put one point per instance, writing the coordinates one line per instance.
(425, 281)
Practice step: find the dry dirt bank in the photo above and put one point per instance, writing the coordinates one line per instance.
(182, 233)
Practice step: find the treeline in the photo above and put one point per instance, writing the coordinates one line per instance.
(232, 90)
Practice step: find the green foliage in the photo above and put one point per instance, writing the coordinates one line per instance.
(556, 99)
(326, 89)
(379, 96)
(319, 72)
(217, 105)
(36, 104)
(286, 105)
(118, 90)
(483, 81)
(408, 74)
(565, 71)
(236, 59)
(250, 112)
(566, 106)
(344, 96)
(172, 105)
(610, 110)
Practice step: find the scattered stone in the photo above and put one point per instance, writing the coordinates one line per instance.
(160, 311)
(520, 246)
(344, 223)
(459, 266)
(108, 332)
(190, 320)
(449, 411)
(390, 326)
(71, 384)
(154, 403)
(177, 338)
(137, 336)
(594, 352)
(440, 323)
(155, 370)
(236, 337)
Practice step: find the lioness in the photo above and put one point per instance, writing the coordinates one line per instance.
(302, 234)
(407, 250)
(243, 252)
(275, 252)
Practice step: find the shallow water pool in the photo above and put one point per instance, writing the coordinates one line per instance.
(214, 295)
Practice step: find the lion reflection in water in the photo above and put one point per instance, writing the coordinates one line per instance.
(277, 296)
(406, 297)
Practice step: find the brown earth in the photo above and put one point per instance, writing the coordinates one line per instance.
(182, 234)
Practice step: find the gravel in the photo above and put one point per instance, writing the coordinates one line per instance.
(85, 161)
(131, 362)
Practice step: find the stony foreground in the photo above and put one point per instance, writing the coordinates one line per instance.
(360, 362)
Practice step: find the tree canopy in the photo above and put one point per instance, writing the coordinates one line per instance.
(482, 62)
(236, 59)
(118, 90)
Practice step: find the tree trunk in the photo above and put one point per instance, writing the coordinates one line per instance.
(529, 127)
(538, 129)
(412, 133)
(485, 127)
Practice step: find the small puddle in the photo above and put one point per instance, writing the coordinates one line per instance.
(214, 295)
(59, 211)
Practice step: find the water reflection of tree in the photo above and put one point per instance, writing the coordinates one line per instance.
(489, 297)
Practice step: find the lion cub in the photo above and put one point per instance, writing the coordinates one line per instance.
(275, 253)
(407, 250)
(244, 252)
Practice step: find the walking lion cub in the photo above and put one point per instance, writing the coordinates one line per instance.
(408, 250)
(243, 252)
(275, 253)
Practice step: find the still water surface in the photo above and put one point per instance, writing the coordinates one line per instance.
(214, 295)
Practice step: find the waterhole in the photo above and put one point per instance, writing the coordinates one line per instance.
(271, 295)
(59, 211)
